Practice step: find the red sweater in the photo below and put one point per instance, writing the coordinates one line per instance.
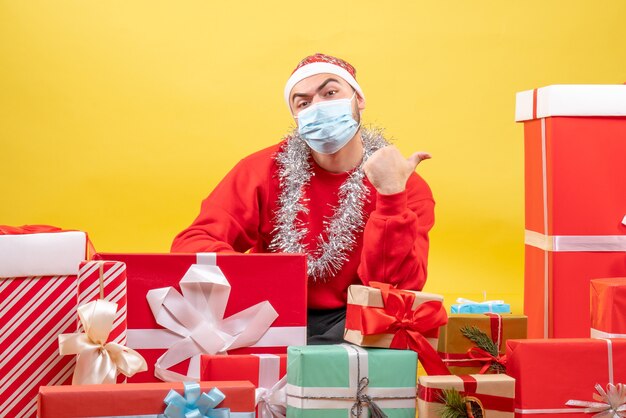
(238, 216)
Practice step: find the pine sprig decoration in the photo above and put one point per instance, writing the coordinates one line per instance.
(456, 405)
(485, 342)
(453, 404)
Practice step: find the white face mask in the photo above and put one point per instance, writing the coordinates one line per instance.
(328, 126)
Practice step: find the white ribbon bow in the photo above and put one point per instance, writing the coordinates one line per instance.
(197, 318)
(272, 402)
(98, 361)
(610, 403)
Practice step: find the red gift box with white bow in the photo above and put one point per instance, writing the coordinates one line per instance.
(183, 305)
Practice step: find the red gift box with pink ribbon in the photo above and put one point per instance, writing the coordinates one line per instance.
(382, 316)
(184, 305)
(567, 377)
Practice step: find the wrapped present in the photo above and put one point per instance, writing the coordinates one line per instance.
(492, 395)
(148, 400)
(381, 316)
(265, 371)
(37, 303)
(575, 179)
(472, 307)
(608, 307)
(249, 303)
(475, 343)
(549, 373)
(346, 380)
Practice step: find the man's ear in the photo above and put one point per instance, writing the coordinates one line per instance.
(360, 102)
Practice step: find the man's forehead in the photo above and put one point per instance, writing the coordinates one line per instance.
(315, 81)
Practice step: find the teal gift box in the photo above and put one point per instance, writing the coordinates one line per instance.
(343, 381)
(472, 307)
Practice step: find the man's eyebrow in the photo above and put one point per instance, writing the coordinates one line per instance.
(321, 86)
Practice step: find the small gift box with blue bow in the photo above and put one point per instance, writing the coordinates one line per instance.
(231, 399)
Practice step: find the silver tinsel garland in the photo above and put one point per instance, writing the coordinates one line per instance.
(294, 174)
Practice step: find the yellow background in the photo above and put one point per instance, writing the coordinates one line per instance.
(118, 117)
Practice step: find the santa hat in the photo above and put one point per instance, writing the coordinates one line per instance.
(321, 64)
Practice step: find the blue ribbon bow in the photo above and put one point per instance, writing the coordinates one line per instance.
(195, 404)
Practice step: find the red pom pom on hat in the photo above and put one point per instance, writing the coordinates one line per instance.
(320, 64)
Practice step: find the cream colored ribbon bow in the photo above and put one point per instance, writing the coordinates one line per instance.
(98, 361)
(272, 402)
(610, 403)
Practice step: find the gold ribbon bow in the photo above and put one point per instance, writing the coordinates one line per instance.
(98, 361)
(610, 403)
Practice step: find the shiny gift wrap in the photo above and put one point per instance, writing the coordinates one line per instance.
(608, 307)
(343, 381)
(143, 400)
(460, 354)
(496, 393)
(551, 373)
(381, 316)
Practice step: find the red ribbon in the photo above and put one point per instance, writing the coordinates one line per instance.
(408, 325)
(27, 229)
(490, 402)
(478, 354)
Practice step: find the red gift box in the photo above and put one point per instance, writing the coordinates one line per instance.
(608, 308)
(35, 309)
(279, 279)
(133, 399)
(575, 177)
(264, 371)
(549, 373)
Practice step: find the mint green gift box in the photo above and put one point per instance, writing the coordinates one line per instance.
(325, 380)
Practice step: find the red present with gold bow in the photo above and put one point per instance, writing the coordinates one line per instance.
(492, 395)
(382, 316)
(460, 351)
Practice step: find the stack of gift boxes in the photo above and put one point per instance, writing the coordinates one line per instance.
(206, 335)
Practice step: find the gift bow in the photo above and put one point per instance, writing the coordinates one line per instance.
(197, 317)
(610, 403)
(195, 404)
(478, 354)
(98, 361)
(272, 402)
(407, 325)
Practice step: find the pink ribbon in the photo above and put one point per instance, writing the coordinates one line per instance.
(196, 317)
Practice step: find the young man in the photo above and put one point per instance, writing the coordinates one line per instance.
(331, 189)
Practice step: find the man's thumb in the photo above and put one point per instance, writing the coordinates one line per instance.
(417, 158)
